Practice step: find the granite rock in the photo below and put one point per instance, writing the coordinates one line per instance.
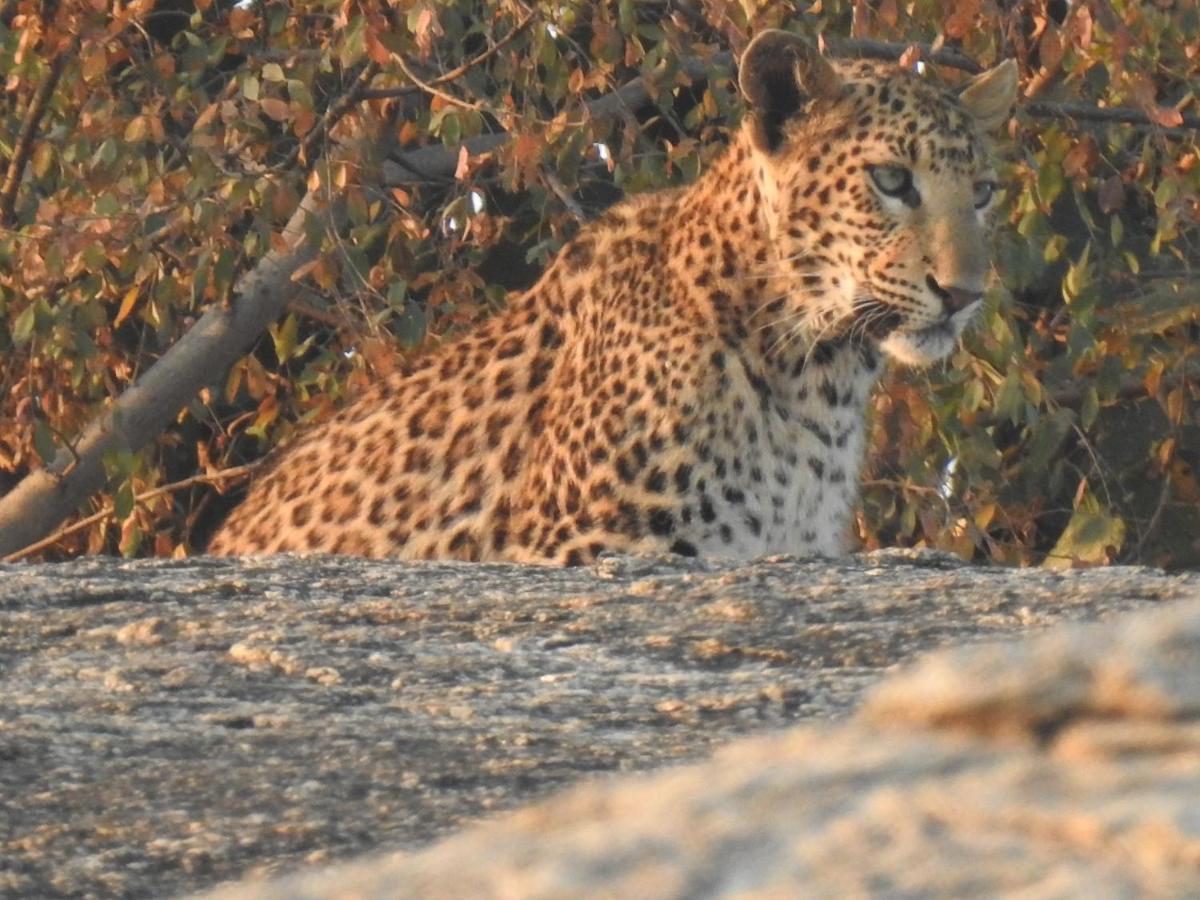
(1067, 766)
(167, 726)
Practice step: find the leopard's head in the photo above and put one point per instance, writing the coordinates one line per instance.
(879, 192)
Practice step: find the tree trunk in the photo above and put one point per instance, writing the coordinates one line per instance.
(46, 497)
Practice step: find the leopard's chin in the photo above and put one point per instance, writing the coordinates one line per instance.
(919, 347)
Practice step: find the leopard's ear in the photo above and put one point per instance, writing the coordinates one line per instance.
(778, 74)
(989, 96)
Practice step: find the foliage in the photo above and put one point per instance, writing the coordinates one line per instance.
(179, 137)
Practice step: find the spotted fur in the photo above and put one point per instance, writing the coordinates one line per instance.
(692, 371)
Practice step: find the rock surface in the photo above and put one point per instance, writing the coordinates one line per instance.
(1066, 767)
(165, 726)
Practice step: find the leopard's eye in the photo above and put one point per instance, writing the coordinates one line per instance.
(983, 193)
(895, 181)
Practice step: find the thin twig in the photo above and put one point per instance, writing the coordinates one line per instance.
(1045, 109)
(459, 71)
(88, 521)
(436, 162)
(24, 146)
(1164, 497)
(308, 311)
(1042, 109)
(1130, 387)
(885, 50)
(432, 89)
(336, 110)
(564, 195)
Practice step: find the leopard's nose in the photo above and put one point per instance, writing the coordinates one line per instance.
(955, 299)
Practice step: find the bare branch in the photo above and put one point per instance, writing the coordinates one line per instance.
(884, 50)
(457, 72)
(1131, 387)
(88, 521)
(1125, 115)
(431, 89)
(24, 146)
(47, 496)
(336, 110)
(564, 195)
(438, 163)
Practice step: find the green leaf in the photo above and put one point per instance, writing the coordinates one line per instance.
(451, 129)
(118, 465)
(284, 338)
(1093, 536)
(410, 326)
(300, 93)
(1010, 398)
(1090, 408)
(1055, 247)
(277, 18)
(627, 16)
(1167, 190)
(353, 42)
(106, 154)
(1049, 185)
(43, 442)
(1046, 436)
(107, 205)
(272, 72)
(123, 501)
(972, 397)
(1078, 278)
(24, 327)
(223, 272)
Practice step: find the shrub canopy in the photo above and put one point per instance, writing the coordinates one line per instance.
(154, 152)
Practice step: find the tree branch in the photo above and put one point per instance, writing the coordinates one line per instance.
(47, 496)
(88, 521)
(335, 111)
(1124, 115)
(438, 163)
(430, 89)
(1131, 386)
(24, 146)
(435, 162)
(889, 52)
(459, 71)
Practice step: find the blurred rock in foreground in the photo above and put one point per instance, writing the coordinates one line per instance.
(1066, 766)
(166, 726)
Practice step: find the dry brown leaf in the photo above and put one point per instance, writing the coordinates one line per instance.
(963, 19)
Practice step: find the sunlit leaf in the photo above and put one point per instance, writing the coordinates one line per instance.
(1093, 537)
(127, 305)
(284, 337)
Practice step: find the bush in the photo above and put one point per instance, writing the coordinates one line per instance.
(155, 154)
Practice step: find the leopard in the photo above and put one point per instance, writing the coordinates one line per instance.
(692, 373)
